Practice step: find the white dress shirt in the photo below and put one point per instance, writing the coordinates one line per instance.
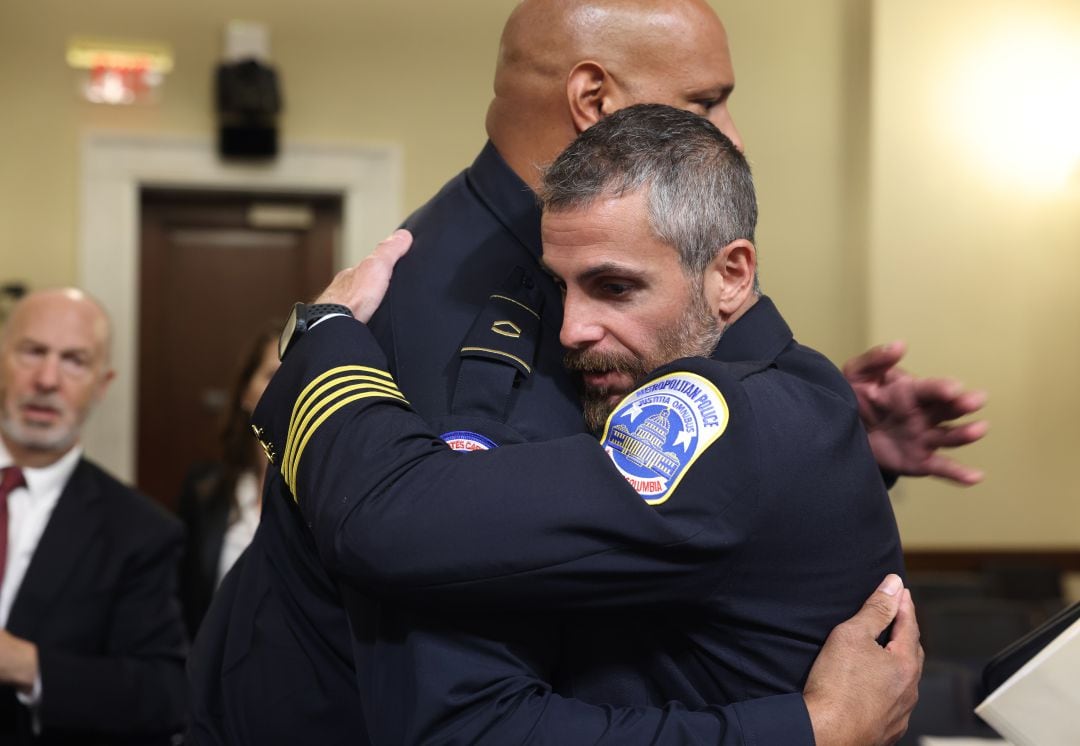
(240, 532)
(29, 510)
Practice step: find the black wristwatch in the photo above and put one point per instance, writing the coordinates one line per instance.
(301, 319)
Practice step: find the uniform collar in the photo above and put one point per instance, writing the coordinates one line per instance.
(507, 196)
(759, 334)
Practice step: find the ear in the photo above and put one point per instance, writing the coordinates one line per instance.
(729, 280)
(103, 385)
(592, 94)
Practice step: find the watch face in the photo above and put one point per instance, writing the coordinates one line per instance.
(288, 331)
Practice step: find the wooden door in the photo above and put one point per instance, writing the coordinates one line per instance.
(216, 268)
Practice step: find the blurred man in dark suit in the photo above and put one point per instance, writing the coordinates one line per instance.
(92, 645)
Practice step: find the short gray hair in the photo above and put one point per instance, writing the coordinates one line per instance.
(700, 192)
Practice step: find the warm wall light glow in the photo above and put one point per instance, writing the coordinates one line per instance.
(1013, 103)
(88, 54)
(119, 72)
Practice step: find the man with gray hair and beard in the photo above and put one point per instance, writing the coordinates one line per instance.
(92, 645)
(731, 515)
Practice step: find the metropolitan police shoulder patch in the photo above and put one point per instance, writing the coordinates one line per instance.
(464, 440)
(658, 431)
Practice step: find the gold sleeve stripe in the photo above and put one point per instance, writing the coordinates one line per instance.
(318, 386)
(319, 401)
(308, 398)
(515, 358)
(319, 414)
(299, 404)
(313, 408)
(316, 404)
(290, 477)
(516, 303)
(332, 372)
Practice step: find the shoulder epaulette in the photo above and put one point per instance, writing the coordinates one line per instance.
(499, 349)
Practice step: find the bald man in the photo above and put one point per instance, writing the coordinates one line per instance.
(92, 643)
(562, 66)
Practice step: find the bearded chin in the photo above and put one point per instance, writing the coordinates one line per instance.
(597, 406)
(695, 334)
(598, 402)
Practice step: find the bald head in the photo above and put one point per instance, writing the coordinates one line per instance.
(543, 39)
(54, 366)
(68, 307)
(565, 64)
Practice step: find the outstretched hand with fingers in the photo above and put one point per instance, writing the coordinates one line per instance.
(909, 419)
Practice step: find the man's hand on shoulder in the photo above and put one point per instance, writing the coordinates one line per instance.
(859, 693)
(908, 418)
(363, 287)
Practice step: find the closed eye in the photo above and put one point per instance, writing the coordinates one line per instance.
(616, 289)
(709, 100)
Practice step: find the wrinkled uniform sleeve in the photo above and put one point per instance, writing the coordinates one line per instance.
(396, 511)
(780, 720)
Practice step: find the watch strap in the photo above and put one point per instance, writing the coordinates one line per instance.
(316, 311)
(301, 319)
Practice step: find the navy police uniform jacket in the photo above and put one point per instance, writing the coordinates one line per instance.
(689, 664)
(821, 526)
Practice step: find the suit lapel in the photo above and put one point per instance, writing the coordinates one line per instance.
(72, 525)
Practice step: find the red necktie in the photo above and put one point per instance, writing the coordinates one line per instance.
(11, 478)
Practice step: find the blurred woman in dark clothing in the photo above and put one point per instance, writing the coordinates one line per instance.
(220, 502)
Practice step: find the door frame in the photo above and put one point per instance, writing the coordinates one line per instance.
(116, 167)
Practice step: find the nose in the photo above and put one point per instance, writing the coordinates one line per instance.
(47, 375)
(580, 327)
(724, 122)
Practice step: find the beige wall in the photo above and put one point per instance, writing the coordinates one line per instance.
(975, 250)
(802, 107)
(418, 74)
(353, 72)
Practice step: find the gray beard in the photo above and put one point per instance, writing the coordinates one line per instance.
(35, 439)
